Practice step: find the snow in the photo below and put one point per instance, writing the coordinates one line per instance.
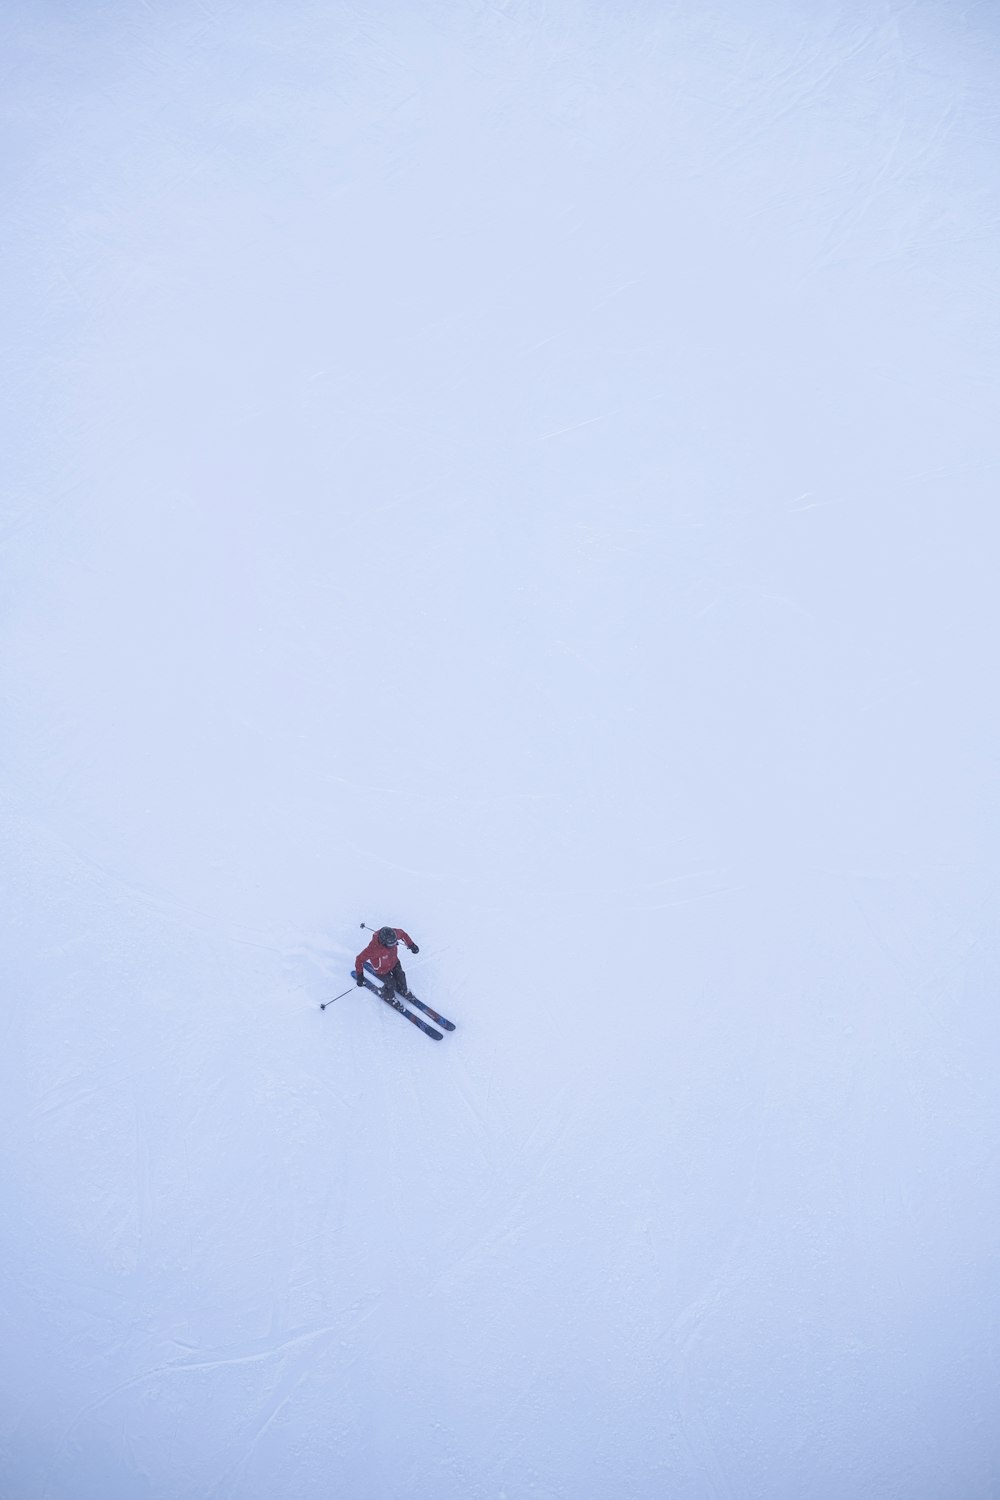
(524, 472)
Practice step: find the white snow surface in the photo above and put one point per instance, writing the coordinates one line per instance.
(525, 471)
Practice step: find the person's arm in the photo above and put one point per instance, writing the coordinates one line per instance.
(359, 962)
(407, 940)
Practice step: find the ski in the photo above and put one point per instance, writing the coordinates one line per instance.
(411, 999)
(376, 989)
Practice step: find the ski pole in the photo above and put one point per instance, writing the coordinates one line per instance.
(336, 997)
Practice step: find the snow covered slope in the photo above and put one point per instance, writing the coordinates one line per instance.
(525, 472)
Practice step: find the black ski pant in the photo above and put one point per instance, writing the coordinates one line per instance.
(395, 979)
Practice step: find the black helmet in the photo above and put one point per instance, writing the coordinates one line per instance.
(387, 937)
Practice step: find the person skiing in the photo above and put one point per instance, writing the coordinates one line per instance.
(381, 955)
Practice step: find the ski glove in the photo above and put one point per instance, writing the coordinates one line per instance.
(414, 948)
(360, 981)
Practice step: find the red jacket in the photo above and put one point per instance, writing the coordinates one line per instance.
(382, 959)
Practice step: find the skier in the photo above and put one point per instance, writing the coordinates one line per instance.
(381, 954)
